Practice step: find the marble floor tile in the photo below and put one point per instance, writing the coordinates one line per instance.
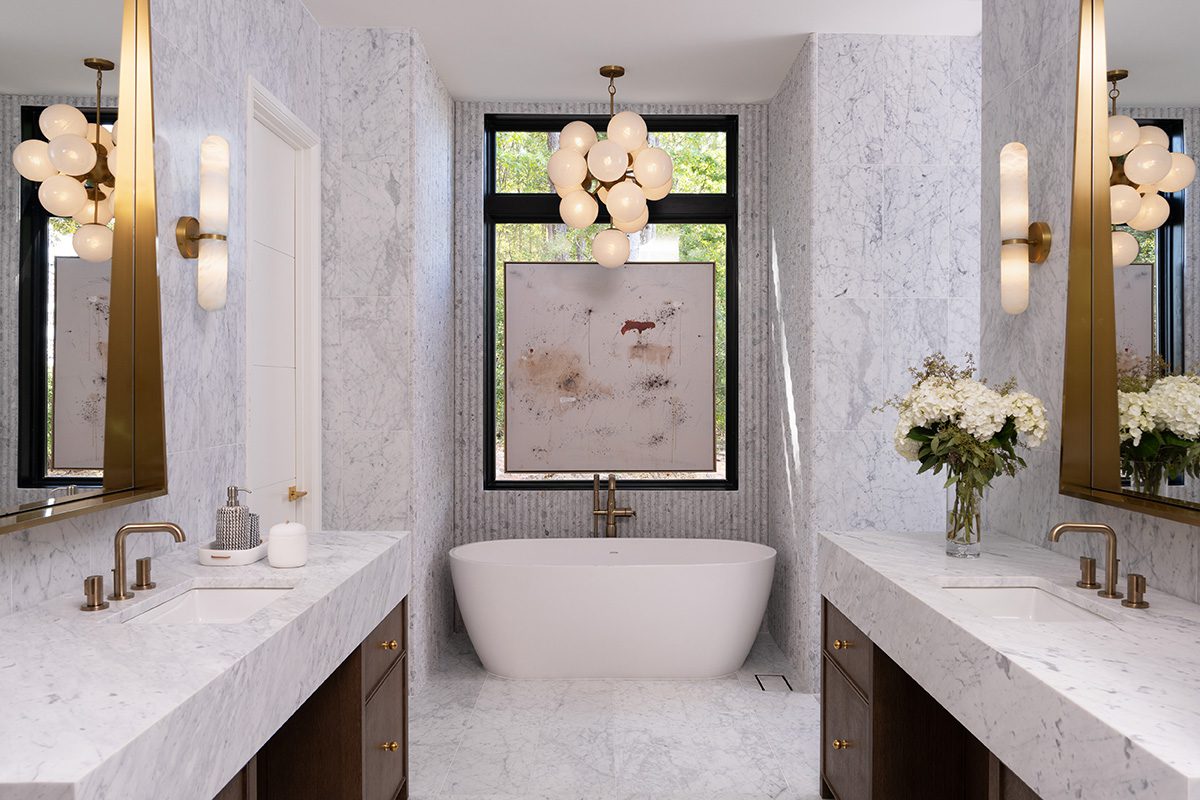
(479, 737)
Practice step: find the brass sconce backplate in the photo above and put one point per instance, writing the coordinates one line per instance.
(188, 237)
(1040, 239)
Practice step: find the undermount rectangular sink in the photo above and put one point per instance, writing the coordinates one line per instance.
(1024, 603)
(219, 606)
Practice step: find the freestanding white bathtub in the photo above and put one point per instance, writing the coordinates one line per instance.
(612, 608)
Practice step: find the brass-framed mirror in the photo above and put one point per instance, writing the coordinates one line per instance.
(81, 391)
(1131, 398)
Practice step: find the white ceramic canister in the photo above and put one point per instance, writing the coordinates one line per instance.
(287, 545)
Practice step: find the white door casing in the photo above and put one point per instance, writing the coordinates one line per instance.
(283, 314)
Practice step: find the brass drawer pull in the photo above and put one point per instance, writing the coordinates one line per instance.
(841, 744)
(392, 645)
(841, 644)
(391, 747)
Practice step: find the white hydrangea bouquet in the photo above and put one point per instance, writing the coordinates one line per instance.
(1160, 424)
(951, 421)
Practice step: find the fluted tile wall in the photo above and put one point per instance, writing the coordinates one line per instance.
(481, 515)
(875, 227)
(201, 63)
(1030, 57)
(388, 304)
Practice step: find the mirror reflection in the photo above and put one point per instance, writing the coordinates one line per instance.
(62, 172)
(1154, 126)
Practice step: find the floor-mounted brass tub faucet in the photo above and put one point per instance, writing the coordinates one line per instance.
(1110, 559)
(610, 512)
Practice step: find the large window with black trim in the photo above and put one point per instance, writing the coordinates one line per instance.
(696, 222)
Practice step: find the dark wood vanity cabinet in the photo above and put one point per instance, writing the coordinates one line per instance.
(884, 737)
(349, 741)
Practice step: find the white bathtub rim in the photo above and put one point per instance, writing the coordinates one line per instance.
(766, 553)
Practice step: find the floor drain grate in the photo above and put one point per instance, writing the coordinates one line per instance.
(770, 682)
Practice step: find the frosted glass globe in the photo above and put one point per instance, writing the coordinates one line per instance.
(93, 242)
(567, 168)
(1183, 172)
(90, 213)
(60, 118)
(653, 167)
(577, 136)
(563, 191)
(115, 127)
(1123, 135)
(72, 154)
(610, 248)
(578, 209)
(625, 201)
(1152, 214)
(1125, 248)
(628, 130)
(114, 162)
(608, 161)
(659, 192)
(1147, 163)
(32, 160)
(62, 195)
(632, 226)
(1152, 134)
(602, 193)
(1125, 202)
(106, 140)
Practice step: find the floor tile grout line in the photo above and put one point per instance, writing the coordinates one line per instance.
(487, 676)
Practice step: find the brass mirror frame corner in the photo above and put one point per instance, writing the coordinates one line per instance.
(135, 458)
(1090, 467)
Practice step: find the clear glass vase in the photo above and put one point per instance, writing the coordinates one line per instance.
(964, 520)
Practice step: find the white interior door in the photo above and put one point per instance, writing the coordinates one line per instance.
(274, 445)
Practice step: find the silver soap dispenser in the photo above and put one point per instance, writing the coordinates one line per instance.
(237, 526)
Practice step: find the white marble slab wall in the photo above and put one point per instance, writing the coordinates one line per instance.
(876, 268)
(201, 63)
(388, 306)
(1030, 57)
(481, 515)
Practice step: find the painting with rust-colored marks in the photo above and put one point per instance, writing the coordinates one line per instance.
(81, 307)
(609, 370)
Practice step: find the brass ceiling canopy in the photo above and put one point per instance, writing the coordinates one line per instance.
(612, 71)
(101, 64)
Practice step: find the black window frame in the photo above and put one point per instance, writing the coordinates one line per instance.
(499, 209)
(1171, 264)
(32, 401)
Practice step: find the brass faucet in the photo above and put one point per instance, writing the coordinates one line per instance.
(120, 590)
(610, 512)
(1110, 560)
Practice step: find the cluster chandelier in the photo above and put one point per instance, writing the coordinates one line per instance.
(75, 168)
(622, 171)
(1143, 169)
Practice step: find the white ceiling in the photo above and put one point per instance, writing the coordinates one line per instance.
(1159, 48)
(43, 44)
(681, 51)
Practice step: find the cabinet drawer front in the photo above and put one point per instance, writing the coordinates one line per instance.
(383, 647)
(848, 647)
(846, 719)
(383, 724)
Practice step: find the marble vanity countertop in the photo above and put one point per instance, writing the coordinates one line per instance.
(1098, 710)
(93, 708)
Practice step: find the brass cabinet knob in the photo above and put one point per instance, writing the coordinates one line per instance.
(841, 644)
(841, 744)
(392, 645)
(391, 747)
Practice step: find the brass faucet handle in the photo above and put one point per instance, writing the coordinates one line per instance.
(142, 571)
(93, 593)
(1137, 592)
(1087, 573)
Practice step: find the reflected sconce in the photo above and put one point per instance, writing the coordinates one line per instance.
(1021, 243)
(205, 238)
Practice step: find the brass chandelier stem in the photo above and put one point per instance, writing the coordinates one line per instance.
(101, 65)
(1114, 76)
(612, 72)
